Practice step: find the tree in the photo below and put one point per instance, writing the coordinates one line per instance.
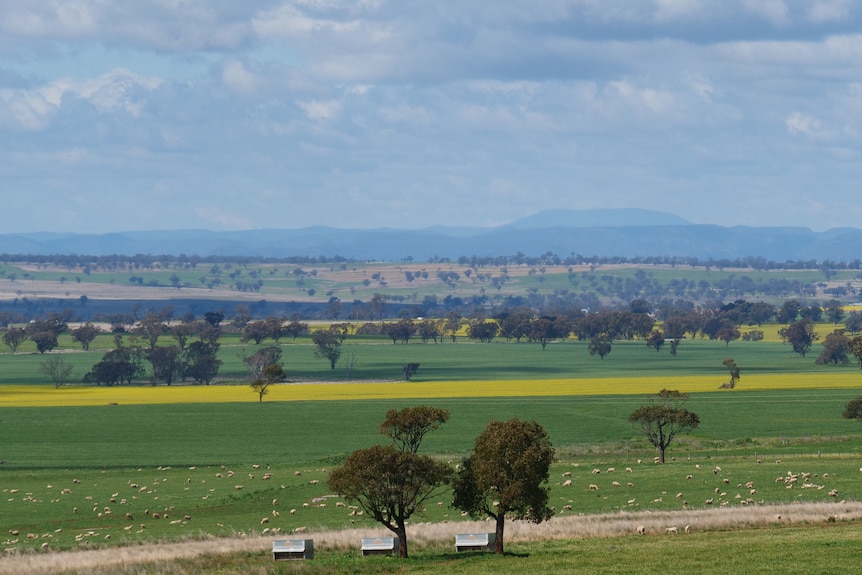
(44, 340)
(255, 331)
(542, 330)
(505, 475)
(655, 340)
(600, 345)
(856, 349)
(327, 346)
(14, 337)
(201, 362)
(836, 346)
(515, 325)
(853, 322)
(664, 419)
(453, 324)
(166, 362)
(85, 335)
(409, 370)
(408, 427)
(834, 311)
(151, 328)
(295, 329)
(429, 329)
(484, 331)
(402, 330)
(214, 318)
(731, 366)
(272, 373)
(800, 335)
(182, 332)
(788, 311)
(56, 368)
(728, 334)
(121, 365)
(760, 312)
(261, 358)
(390, 485)
(853, 410)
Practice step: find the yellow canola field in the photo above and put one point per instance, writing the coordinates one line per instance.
(42, 396)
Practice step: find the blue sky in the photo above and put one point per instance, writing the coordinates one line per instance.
(217, 114)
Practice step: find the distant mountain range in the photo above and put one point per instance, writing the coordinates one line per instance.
(621, 232)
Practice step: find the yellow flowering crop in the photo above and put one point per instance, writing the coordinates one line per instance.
(38, 396)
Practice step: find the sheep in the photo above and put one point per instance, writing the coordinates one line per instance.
(594, 487)
(641, 530)
(300, 530)
(629, 470)
(630, 484)
(611, 470)
(567, 483)
(687, 529)
(596, 471)
(671, 530)
(567, 474)
(689, 477)
(615, 484)
(264, 520)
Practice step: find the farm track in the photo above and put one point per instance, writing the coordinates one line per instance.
(560, 527)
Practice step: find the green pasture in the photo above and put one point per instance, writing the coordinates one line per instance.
(192, 457)
(109, 436)
(803, 550)
(379, 359)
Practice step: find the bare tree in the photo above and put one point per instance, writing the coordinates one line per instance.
(55, 367)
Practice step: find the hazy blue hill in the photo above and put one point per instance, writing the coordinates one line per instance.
(626, 233)
(598, 218)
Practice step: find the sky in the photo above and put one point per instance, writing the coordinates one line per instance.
(223, 115)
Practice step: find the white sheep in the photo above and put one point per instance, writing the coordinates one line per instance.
(641, 530)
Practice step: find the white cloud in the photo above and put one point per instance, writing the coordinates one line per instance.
(33, 108)
(668, 10)
(319, 110)
(774, 11)
(823, 11)
(799, 123)
(238, 77)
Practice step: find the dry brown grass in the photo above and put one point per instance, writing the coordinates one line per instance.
(428, 534)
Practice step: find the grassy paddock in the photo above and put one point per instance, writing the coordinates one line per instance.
(812, 545)
(178, 434)
(377, 360)
(191, 457)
